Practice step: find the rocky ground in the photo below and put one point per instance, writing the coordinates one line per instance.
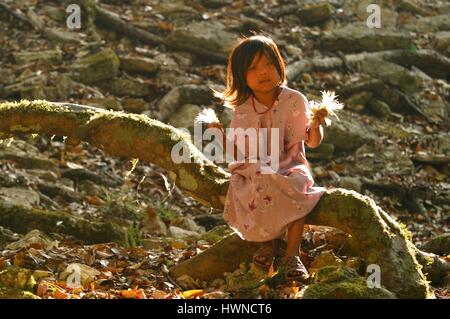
(159, 59)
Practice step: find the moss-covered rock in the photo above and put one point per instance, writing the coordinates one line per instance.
(96, 67)
(14, 293)
(439, 245)
(19, 278)
(333, 282)
(216, 234)
(326, 258)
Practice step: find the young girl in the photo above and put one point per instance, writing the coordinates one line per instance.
(262, 207)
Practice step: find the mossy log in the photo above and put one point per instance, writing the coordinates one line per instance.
(375, 235)
(22, 220)
(123, 135)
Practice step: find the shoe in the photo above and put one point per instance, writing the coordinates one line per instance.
(295, 270)
(264, 255)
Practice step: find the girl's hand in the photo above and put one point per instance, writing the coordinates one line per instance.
(315, 123)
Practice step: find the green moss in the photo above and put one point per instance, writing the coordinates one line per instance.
(133, 238)
(166, 214)
(355, 288)
(335, 273)
(405, 231)
(15, 277)
(216, 234)
(14, 293)
(186, 180)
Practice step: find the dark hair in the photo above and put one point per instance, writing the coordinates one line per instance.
(239, 61)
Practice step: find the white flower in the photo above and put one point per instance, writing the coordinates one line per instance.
(328, 106)
(207, 116)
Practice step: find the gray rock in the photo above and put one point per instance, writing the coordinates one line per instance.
(60, 37)
(181, 233)
(6, 76)
(50, 93)
(175, 11)
(413, 7)
(96, 67)
(169, 77)
(379, 108)
(54, 13)
(138, 64)
(188, 224)
(386, 160)
(7, 236)
(126, 87)
(44, 175)
(439, 245)
(429, 24)
(134, 105)
(358, 37)
(58, 189)
(315, 13)
(348, 133)
(215, 4)
(34, 237)
(348, 182)
(184, 117)
(204, 37)
(437, 109)
(90, 188)
(25, 154)
(442, 42)
(184, 94)
(152, 224)
(65, 86)
(155, 243)
(31, 83)
(437, 143)
(358, 101)
(49, 56)
(394, 74)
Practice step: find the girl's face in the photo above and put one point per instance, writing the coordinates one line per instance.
(262, 74)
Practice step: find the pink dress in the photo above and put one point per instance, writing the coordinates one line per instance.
(259, 206)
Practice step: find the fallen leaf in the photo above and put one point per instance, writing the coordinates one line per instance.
(191, 294)
(129, 293)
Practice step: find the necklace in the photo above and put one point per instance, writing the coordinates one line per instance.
(253, 103)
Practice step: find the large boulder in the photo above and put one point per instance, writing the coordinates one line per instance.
(358, 37)
(394, 74)
(204, 37)
(348, 133)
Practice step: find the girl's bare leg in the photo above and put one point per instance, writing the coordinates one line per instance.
(294, 237)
